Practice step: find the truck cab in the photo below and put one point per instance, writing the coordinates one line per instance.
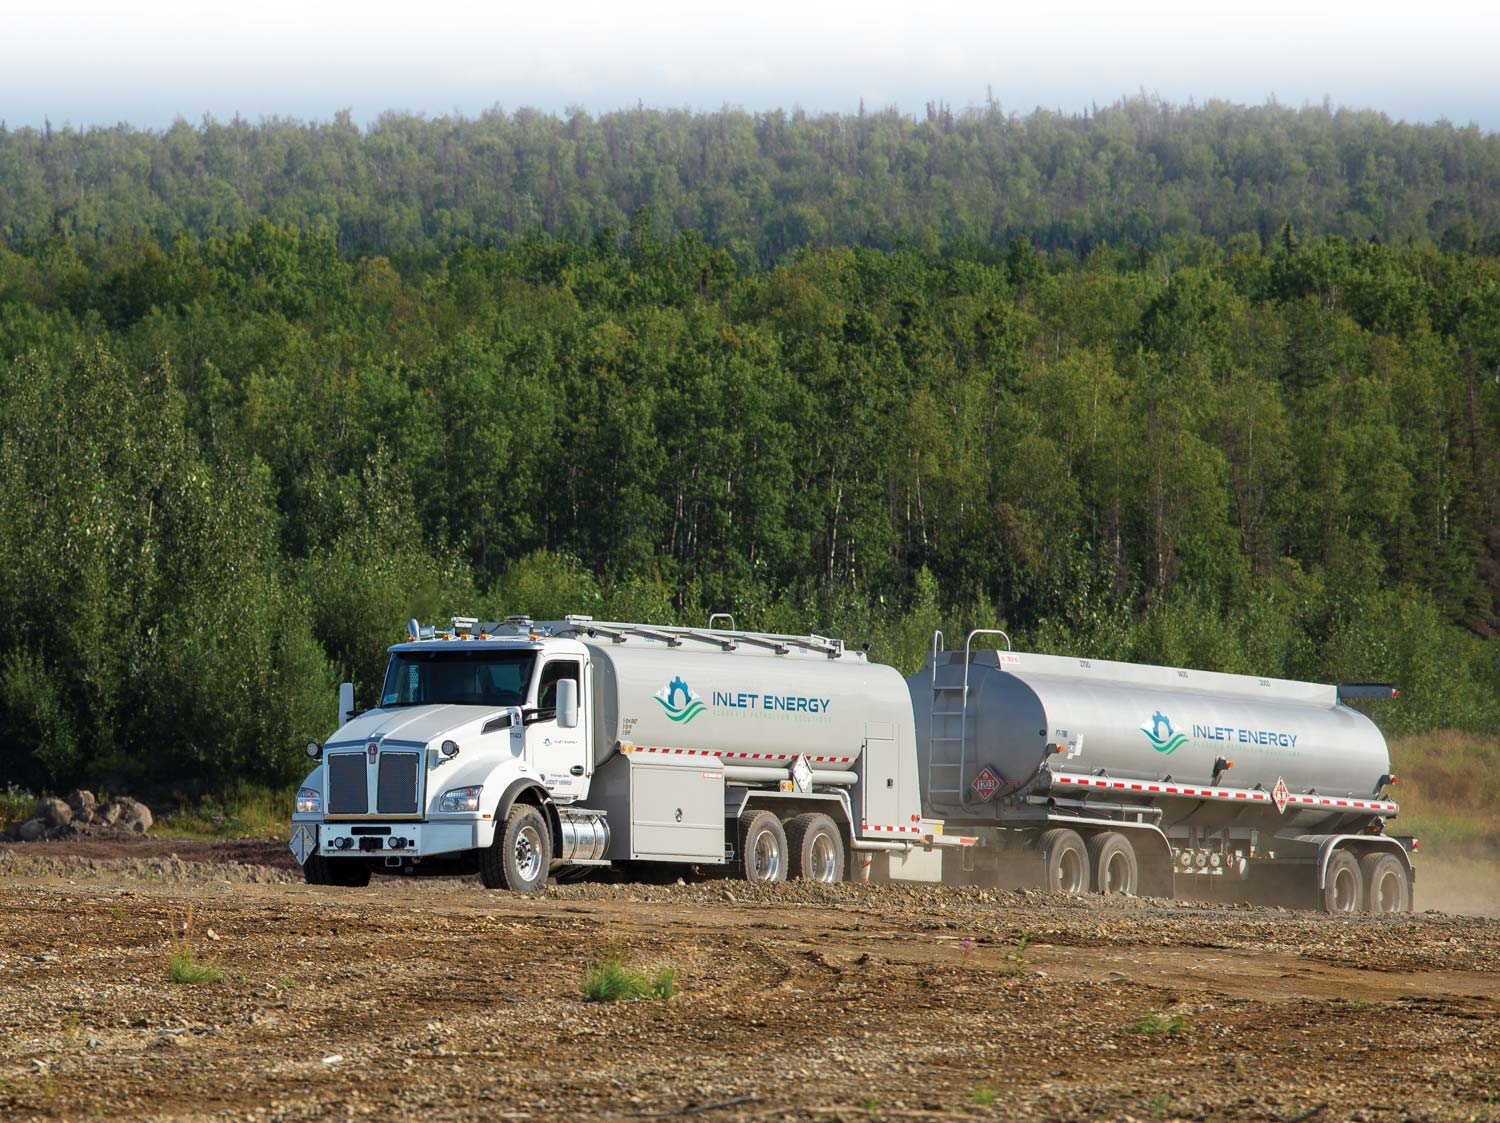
(471, 724)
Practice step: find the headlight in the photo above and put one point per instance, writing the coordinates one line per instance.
(309, 801)
(461, 799)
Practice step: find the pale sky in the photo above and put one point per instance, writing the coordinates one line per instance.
(88, 62)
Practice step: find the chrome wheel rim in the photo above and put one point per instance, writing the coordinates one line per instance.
(528, 852)
(1117, 874)
(824, 859)
(767, 860)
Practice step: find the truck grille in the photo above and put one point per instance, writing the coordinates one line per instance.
(348, 792)
(396, 785)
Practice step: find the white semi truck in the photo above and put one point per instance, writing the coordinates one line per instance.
(521, 749)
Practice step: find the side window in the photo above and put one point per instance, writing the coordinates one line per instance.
(552, 673)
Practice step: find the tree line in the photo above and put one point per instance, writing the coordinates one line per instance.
(231, 468)
(1137, 173)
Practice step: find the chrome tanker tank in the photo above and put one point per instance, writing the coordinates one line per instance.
(1030, 719)
(748, 698)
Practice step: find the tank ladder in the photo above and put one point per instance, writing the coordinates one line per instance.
(950, 702)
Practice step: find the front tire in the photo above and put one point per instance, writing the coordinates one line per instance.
(816, 847)
(763, 848)
(348, 873)
(521, 853)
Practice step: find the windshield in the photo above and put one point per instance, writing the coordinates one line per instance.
(468, 678)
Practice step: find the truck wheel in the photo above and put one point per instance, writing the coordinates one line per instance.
(1386, 886)
(345, 872)
(518, 858)
(1066, 860)
(1113, 863)
(762, 847)
(1343, 884)
(816, 847)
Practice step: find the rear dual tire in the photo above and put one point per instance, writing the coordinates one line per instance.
(1387, 888)
(817, 848)
(805, 846)
(1343, 884)
(1113, 864)
(1065, 861)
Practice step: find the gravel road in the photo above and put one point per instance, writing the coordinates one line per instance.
(860, 1003)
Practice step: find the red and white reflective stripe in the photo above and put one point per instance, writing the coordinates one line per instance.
(1250, 795)
(875, 829)
(735, 756)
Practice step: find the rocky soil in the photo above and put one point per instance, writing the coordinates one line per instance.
(858, 1003)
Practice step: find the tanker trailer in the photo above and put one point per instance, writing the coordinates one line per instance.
(516, 748)
(1123, 777)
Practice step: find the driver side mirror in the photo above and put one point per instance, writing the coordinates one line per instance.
(346, 702)
(567, 703)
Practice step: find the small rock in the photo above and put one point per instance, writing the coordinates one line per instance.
(334, 1059)
(92, 1043)
(31, 830)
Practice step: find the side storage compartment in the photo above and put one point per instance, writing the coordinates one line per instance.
(667, 810)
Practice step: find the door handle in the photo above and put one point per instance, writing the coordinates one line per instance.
(576, 770)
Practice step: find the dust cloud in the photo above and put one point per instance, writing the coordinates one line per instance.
(1467, 886)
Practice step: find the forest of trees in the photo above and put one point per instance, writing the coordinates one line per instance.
(239, 446)
(759, 185)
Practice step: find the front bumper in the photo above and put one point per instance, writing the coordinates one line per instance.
(368, 839)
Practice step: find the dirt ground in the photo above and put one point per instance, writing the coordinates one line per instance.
(437, 1000)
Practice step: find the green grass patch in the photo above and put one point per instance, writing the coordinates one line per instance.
(984, 1095)
(243, 811)
(186, 969)
(1161, 1025)
(1015, 959)
(609, 980)
(1449, 790)
(16, 805)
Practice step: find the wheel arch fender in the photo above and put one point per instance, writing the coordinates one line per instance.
(525, 789)
(1359, 845)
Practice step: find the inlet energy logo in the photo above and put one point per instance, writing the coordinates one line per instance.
(684, 710)
(1165, 743)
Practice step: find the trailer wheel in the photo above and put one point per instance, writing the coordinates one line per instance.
(521, 853)
(1066, 860)
(1114, 864)
(816, 847)
(762, 847)
(349, 874)
(1343, 884)
(1386, 886)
